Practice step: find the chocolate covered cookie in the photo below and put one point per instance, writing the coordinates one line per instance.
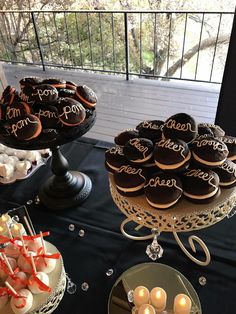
(216, 129)
(204, 130)
(30, 81)
(71, 85)
(180, 126)
(44, 94)
(230, 142)
(139, 150)
(48, 116)
(130, 180)
(8, 96)
(200, 185)
(163, 190)
(66, 93)
(151, 129)
(27, 128)
(17, 111)
(114, 159)
(55, 82)
(209, 152)
(227, 174)
(70, 111)
(86, 96)
(26, 94)
(122, 138)
(172, 155)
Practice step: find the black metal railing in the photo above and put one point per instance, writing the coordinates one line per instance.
(182, 45)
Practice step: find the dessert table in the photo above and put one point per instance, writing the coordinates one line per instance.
(95, 252)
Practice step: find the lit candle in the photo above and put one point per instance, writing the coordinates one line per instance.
(2, 231)
(5, 219)
(158, 299)
(141, 295)
(146, 309)
(17, 230)
(182, 304)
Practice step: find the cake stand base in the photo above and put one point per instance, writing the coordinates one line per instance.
(65, 192)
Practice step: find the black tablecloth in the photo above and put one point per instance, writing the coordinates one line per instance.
(103, 247)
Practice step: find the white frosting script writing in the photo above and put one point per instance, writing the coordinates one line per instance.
(136, 143)
(162, 182)
(229, 168)
(172, 124)
(116, 150)
(46, 114)
(20, 124)
(44, 93)
(211, 142)
(76, 109)
(12, 113)
(130, 170)
(172, 145)
(198, 173)
(152, 126)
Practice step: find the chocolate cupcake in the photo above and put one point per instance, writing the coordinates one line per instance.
(180, 126)
(130, 180)
(139, 150)
(114, 159)
(209, 152)
(172, 155)
(55, 82)
(216, 129)
(163, 190)
(227, 174)
(27, 128)
(200, 185)
(44, 94)
(71, 85)
(122, 138)
(71, 112)
(230, 142)
(30, 81)
(48, 116)
(17, 111)
(86, 96)
(151, 129)
(66, 93)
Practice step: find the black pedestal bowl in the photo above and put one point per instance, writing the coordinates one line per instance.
(65, 189)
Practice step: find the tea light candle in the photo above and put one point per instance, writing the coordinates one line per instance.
(146, 309)
(17, 230)
(158, 299)
(141, 296)
(182, 304)
(3, 231)
(5, 219)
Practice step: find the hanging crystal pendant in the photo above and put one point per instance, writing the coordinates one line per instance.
(154, 250)
(71, 286)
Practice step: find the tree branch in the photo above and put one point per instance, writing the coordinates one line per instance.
(206, 43)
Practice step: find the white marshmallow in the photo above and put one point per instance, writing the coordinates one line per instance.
(6, 171)
(23, 166)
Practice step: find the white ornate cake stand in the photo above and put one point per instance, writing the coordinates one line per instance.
(183, 217)
(46, 303)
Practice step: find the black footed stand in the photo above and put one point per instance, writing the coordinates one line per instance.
(64, 189)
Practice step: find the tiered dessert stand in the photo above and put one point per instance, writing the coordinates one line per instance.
(64, 189)
(183, 217)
